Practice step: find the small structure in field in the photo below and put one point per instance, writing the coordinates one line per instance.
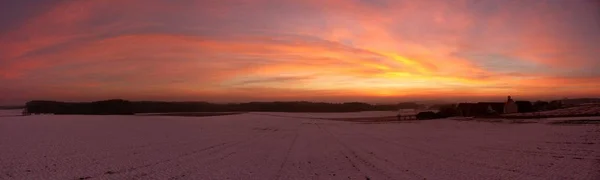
(25, 112)
(407, 114)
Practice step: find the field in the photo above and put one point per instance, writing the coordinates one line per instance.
(292, 146)
(581, 110)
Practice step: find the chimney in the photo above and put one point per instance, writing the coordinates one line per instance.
(509, 99)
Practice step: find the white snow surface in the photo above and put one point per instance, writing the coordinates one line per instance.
(363, 114)
(255, 146)
(586, 109)
(10, 112)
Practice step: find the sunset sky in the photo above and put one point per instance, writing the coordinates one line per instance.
(316, 50)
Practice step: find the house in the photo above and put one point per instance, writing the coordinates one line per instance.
(510, 106)
(487, 108)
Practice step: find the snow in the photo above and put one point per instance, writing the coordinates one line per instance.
(582, 110)
(258, 146)
(363, 114)
(10, 112)
(528, 120)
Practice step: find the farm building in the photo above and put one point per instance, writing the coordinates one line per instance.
(510, 106)
(487, 108)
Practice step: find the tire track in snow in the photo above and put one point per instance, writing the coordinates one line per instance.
(394, 165)
(287, 154)
(404, 169)
(234, 151)
(420, 155)
(426, 151)
(215, 148)
(462, 161)
(53, 162)
(76, 155)
(220, 152)
(591, 154)
(583, 155)
(341, 152)
(359, 158)
(561, 159)
(132, 169)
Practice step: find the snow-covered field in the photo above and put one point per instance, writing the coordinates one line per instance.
(583, 110)
(363, 114)
(257, 146)
(10, 112)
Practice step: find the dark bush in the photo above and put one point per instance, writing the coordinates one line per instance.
(554, 105)
(540, 106)
(447, 111)
(408, 105)
(525, 106)
(427, 115)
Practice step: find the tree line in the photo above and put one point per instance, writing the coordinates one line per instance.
(124, 107)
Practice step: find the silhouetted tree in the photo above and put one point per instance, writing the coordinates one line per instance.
(554, 105)
(540, 106)
(408, 105)
(524, 106)
(126, 107)
(447, 110)
(427, 115)
(116, 106)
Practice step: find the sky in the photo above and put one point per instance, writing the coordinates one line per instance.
(315, 50)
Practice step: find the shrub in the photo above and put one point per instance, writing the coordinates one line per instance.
(427, 115)
(447, 111)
